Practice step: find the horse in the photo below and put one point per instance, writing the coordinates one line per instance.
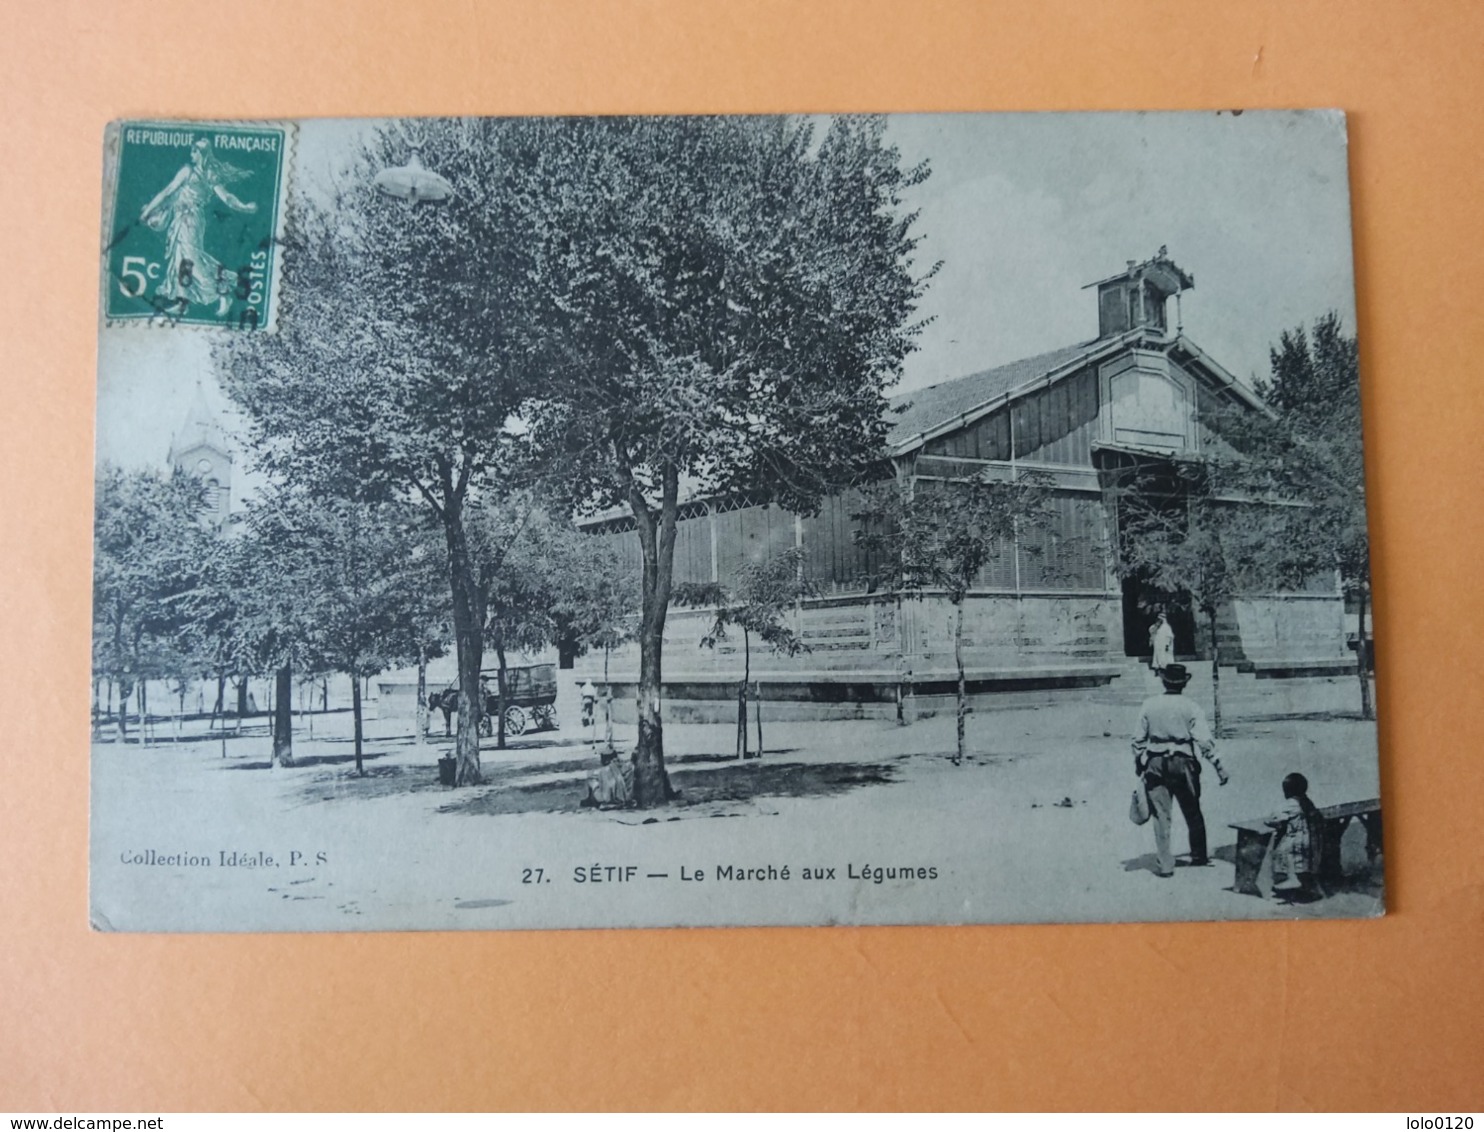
(446, 701)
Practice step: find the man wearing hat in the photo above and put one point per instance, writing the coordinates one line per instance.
(1170, 730)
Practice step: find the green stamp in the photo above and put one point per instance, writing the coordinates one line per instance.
(193, 237)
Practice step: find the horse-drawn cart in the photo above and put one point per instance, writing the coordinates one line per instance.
(530, 698)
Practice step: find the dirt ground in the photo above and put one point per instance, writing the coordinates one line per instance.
(1033, 827)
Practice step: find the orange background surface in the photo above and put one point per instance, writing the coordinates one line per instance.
(1386, 1014)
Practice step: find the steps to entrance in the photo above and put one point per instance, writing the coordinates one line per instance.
(1242, 692)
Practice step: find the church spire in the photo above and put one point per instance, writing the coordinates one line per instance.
(200, 449)
(199, 428)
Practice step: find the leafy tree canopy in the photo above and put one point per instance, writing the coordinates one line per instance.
(148, 546)
(941, 535)
(726, 302)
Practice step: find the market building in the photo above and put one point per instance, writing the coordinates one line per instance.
(1051, 611)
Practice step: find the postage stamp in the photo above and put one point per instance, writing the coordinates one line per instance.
(194, 223)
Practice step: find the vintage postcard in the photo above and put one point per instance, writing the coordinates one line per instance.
(706, 521)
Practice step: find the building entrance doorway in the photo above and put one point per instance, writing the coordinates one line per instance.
(1144, 493)
(1141, 602)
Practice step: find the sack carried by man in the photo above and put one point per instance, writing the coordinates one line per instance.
(1138, 806)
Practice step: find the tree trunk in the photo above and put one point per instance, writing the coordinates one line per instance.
(742, 695)
(502, 687)
(142, 695)
(180, 715)
(422, 694)
(1363, 661)
(901, 650)
(657, 541)
(608, 718)
(95, 707)
(126, 688)
(283, 719)
(241, 700)
(757, 711)
(958, 660)
(220, 710)
(1215, 677)
(739, 747)
(355, 711)
(468, 632)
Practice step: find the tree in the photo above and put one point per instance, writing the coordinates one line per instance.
(722, 304)
(1311, 452)
(544, 578)
(269, 624)
(428, 614)
(517, 574)
(1171, 535)
(148, 544)
(1202, 526)
(598, 605)
(1276, 500)
(354, 579)
(396, 370)
(940, 535)
(759, 602)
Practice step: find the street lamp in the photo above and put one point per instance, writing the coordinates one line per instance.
(413, 182)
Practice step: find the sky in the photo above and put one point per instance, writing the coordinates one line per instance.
(1022, 210)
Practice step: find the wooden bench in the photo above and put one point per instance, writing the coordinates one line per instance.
(1255, 838)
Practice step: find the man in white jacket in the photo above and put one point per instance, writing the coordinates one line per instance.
(1171, 729)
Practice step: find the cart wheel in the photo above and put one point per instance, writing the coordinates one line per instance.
(545, 718)
(486, 725)
(515, 720)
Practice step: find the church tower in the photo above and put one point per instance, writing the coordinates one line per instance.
(199, 449)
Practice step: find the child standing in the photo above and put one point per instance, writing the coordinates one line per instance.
(1297, 842)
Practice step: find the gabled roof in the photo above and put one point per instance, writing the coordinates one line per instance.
(949, 404)
(938, 404)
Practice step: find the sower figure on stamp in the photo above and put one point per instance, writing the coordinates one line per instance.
(1171, 729)
(182, 209)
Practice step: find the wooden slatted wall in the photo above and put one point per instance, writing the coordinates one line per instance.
(1054, 425)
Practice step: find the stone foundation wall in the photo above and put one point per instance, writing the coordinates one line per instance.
(882, 638)
(1292, 627)
(1004, 632)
